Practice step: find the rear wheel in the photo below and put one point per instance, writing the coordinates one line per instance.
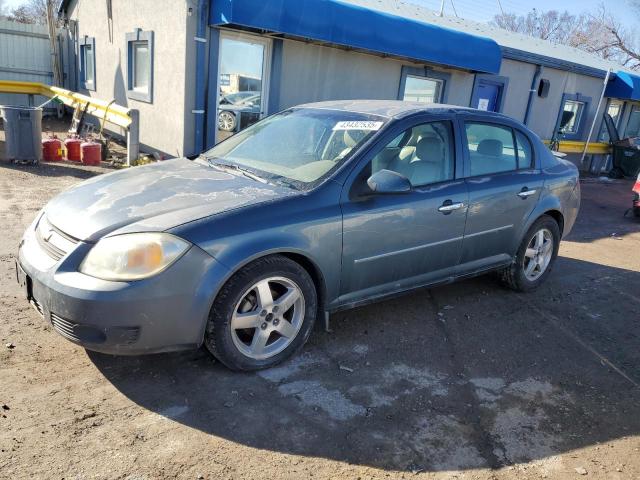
(262, 315)
(535, 256)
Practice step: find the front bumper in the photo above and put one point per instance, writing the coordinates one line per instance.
(166, 312)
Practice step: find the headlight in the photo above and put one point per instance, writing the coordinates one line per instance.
(132, 256)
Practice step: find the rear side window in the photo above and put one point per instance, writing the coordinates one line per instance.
(491, 148)
(525, 150)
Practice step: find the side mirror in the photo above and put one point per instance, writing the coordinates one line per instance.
(388, 182)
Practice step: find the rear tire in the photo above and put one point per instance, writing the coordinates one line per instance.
(535, 257)
(262, 315)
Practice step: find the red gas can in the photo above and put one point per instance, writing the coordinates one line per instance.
(72, 145)
(91, 152)
(51, 149)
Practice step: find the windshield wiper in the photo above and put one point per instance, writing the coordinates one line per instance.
(236, 168)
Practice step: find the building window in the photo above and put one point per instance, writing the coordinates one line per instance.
(87, 68)
(425, 90)
(614, 109)
(140, 65)
(489, 92)
(633, 125)
(421, 84)
(572, 115)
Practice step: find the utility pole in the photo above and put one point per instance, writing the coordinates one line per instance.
(441, 8)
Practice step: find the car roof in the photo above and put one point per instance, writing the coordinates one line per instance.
(394, 108)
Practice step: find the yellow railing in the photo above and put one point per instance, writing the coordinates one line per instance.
(573, 146)
(108, 111)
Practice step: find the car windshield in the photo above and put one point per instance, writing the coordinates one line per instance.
(301, 146)
(239, 97)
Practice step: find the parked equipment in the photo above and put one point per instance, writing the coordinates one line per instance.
(72, 144)
(91, 152)
(23, 131)
(52, 149)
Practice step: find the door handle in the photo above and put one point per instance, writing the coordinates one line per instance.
(526, 193)
(448, 207)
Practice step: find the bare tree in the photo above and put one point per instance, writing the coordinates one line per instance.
(599, 33)
(552, 25)
(33, 11)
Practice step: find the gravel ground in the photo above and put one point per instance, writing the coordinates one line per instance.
(464, 381)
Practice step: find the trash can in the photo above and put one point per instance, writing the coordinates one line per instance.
(23, 133)
(626, 160)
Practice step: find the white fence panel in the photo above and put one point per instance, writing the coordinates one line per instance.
(24, 56)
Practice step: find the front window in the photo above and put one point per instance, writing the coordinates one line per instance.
(298, 146)
(422, 89)
(423, 154)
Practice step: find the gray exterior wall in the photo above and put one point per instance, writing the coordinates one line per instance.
(314, 73)
(517, 95)
(166, 124)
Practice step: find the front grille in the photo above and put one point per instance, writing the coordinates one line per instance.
(52, 240)
(89, 334)
(64, 327)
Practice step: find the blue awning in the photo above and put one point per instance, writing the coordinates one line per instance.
(347, 25)
(625, 86)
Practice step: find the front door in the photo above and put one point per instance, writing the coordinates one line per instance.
(504, 187)
(397, 241)
(243, 70)
(488, 97)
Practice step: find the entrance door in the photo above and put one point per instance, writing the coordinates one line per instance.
(243, 62)
(488, 97)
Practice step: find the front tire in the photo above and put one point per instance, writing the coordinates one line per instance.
(226, 121)
(535, 257)
(262, 315)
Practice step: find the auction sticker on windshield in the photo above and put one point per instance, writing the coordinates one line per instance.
(358, 125)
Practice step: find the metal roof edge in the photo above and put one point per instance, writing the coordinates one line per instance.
(534, 58)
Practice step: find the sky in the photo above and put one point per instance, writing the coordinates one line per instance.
(484, 10)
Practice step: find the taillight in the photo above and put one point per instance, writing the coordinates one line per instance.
(636, 187)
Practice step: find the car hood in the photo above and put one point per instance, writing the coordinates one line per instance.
(154, 198)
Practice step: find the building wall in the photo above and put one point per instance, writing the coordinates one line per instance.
(520, 76)
(544, 112)
(164, 125)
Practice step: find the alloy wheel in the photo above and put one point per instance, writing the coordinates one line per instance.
(267, 318)
(538, 254)
(226, 121)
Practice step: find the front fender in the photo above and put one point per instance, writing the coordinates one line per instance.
(308, 225)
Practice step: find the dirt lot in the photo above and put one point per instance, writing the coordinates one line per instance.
(464, 381)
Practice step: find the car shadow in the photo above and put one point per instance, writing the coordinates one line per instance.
(467, 375)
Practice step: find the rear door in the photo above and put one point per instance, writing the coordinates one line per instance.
(397, 241)
(504, 187)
